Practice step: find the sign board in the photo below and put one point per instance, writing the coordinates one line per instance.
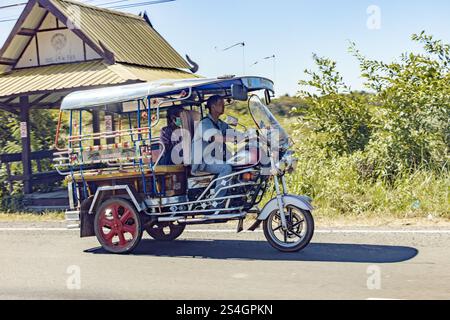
(23, 130)
(61, 46)
(108, 123)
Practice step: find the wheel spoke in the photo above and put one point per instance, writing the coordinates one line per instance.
(104, 222)
(109, 236)
(296, 234)
(298, 223)
(122, 240)
(115, 212)
(277, 228)
(129, 229)
(127, 215)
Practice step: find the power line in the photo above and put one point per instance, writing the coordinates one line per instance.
(8, 20)
(13, 5)
(141, 4)
(107, 3)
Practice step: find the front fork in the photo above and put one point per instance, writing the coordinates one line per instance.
(280, 194)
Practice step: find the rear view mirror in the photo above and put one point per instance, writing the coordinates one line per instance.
(239, 92)
(268, 97)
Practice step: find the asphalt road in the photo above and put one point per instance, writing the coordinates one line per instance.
(203, 264)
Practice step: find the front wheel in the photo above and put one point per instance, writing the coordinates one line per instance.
(300, 229)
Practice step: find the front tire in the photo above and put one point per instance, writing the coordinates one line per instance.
(298, 234)
(118, 226)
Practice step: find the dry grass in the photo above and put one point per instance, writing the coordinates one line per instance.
(29, 217)
(377, 222)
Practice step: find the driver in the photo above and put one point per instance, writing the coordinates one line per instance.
(209, 149)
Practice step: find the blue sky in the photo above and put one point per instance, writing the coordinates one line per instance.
(290, 29)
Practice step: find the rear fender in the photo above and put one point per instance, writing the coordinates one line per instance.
(86, 219)
(124, 188)
(301, 202)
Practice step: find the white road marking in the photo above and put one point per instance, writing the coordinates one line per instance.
(383, 299)
(260, 231)
(239, 276)
(335, 231)
(386, 231)
(38, 229)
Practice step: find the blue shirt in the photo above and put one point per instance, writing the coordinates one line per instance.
(204, 150)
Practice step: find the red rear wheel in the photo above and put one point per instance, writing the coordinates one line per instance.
(118, 226)
(168, 231)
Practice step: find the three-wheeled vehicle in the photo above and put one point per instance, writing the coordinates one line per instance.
(111, 155)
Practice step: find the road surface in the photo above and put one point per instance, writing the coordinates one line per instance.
(44, 261)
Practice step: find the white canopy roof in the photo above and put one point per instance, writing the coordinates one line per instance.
(111, 95)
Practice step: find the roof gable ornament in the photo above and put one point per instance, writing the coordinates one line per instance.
(146, 18)
(195, 66)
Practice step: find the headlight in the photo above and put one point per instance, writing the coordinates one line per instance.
(288, 163)
(282, 165)
(294, 164)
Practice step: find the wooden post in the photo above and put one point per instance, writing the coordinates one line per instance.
(8, 172)
(26, 145)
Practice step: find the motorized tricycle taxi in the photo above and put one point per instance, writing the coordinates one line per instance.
(111, 153)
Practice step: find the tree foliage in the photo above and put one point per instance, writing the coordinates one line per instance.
(339, 118)
(43, 130)
(402, 125)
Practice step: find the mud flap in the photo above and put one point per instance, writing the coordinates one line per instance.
(86, 219)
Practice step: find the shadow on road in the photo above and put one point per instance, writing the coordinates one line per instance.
(261, 250)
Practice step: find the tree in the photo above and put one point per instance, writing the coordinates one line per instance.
(412, 117)
(339, 118)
